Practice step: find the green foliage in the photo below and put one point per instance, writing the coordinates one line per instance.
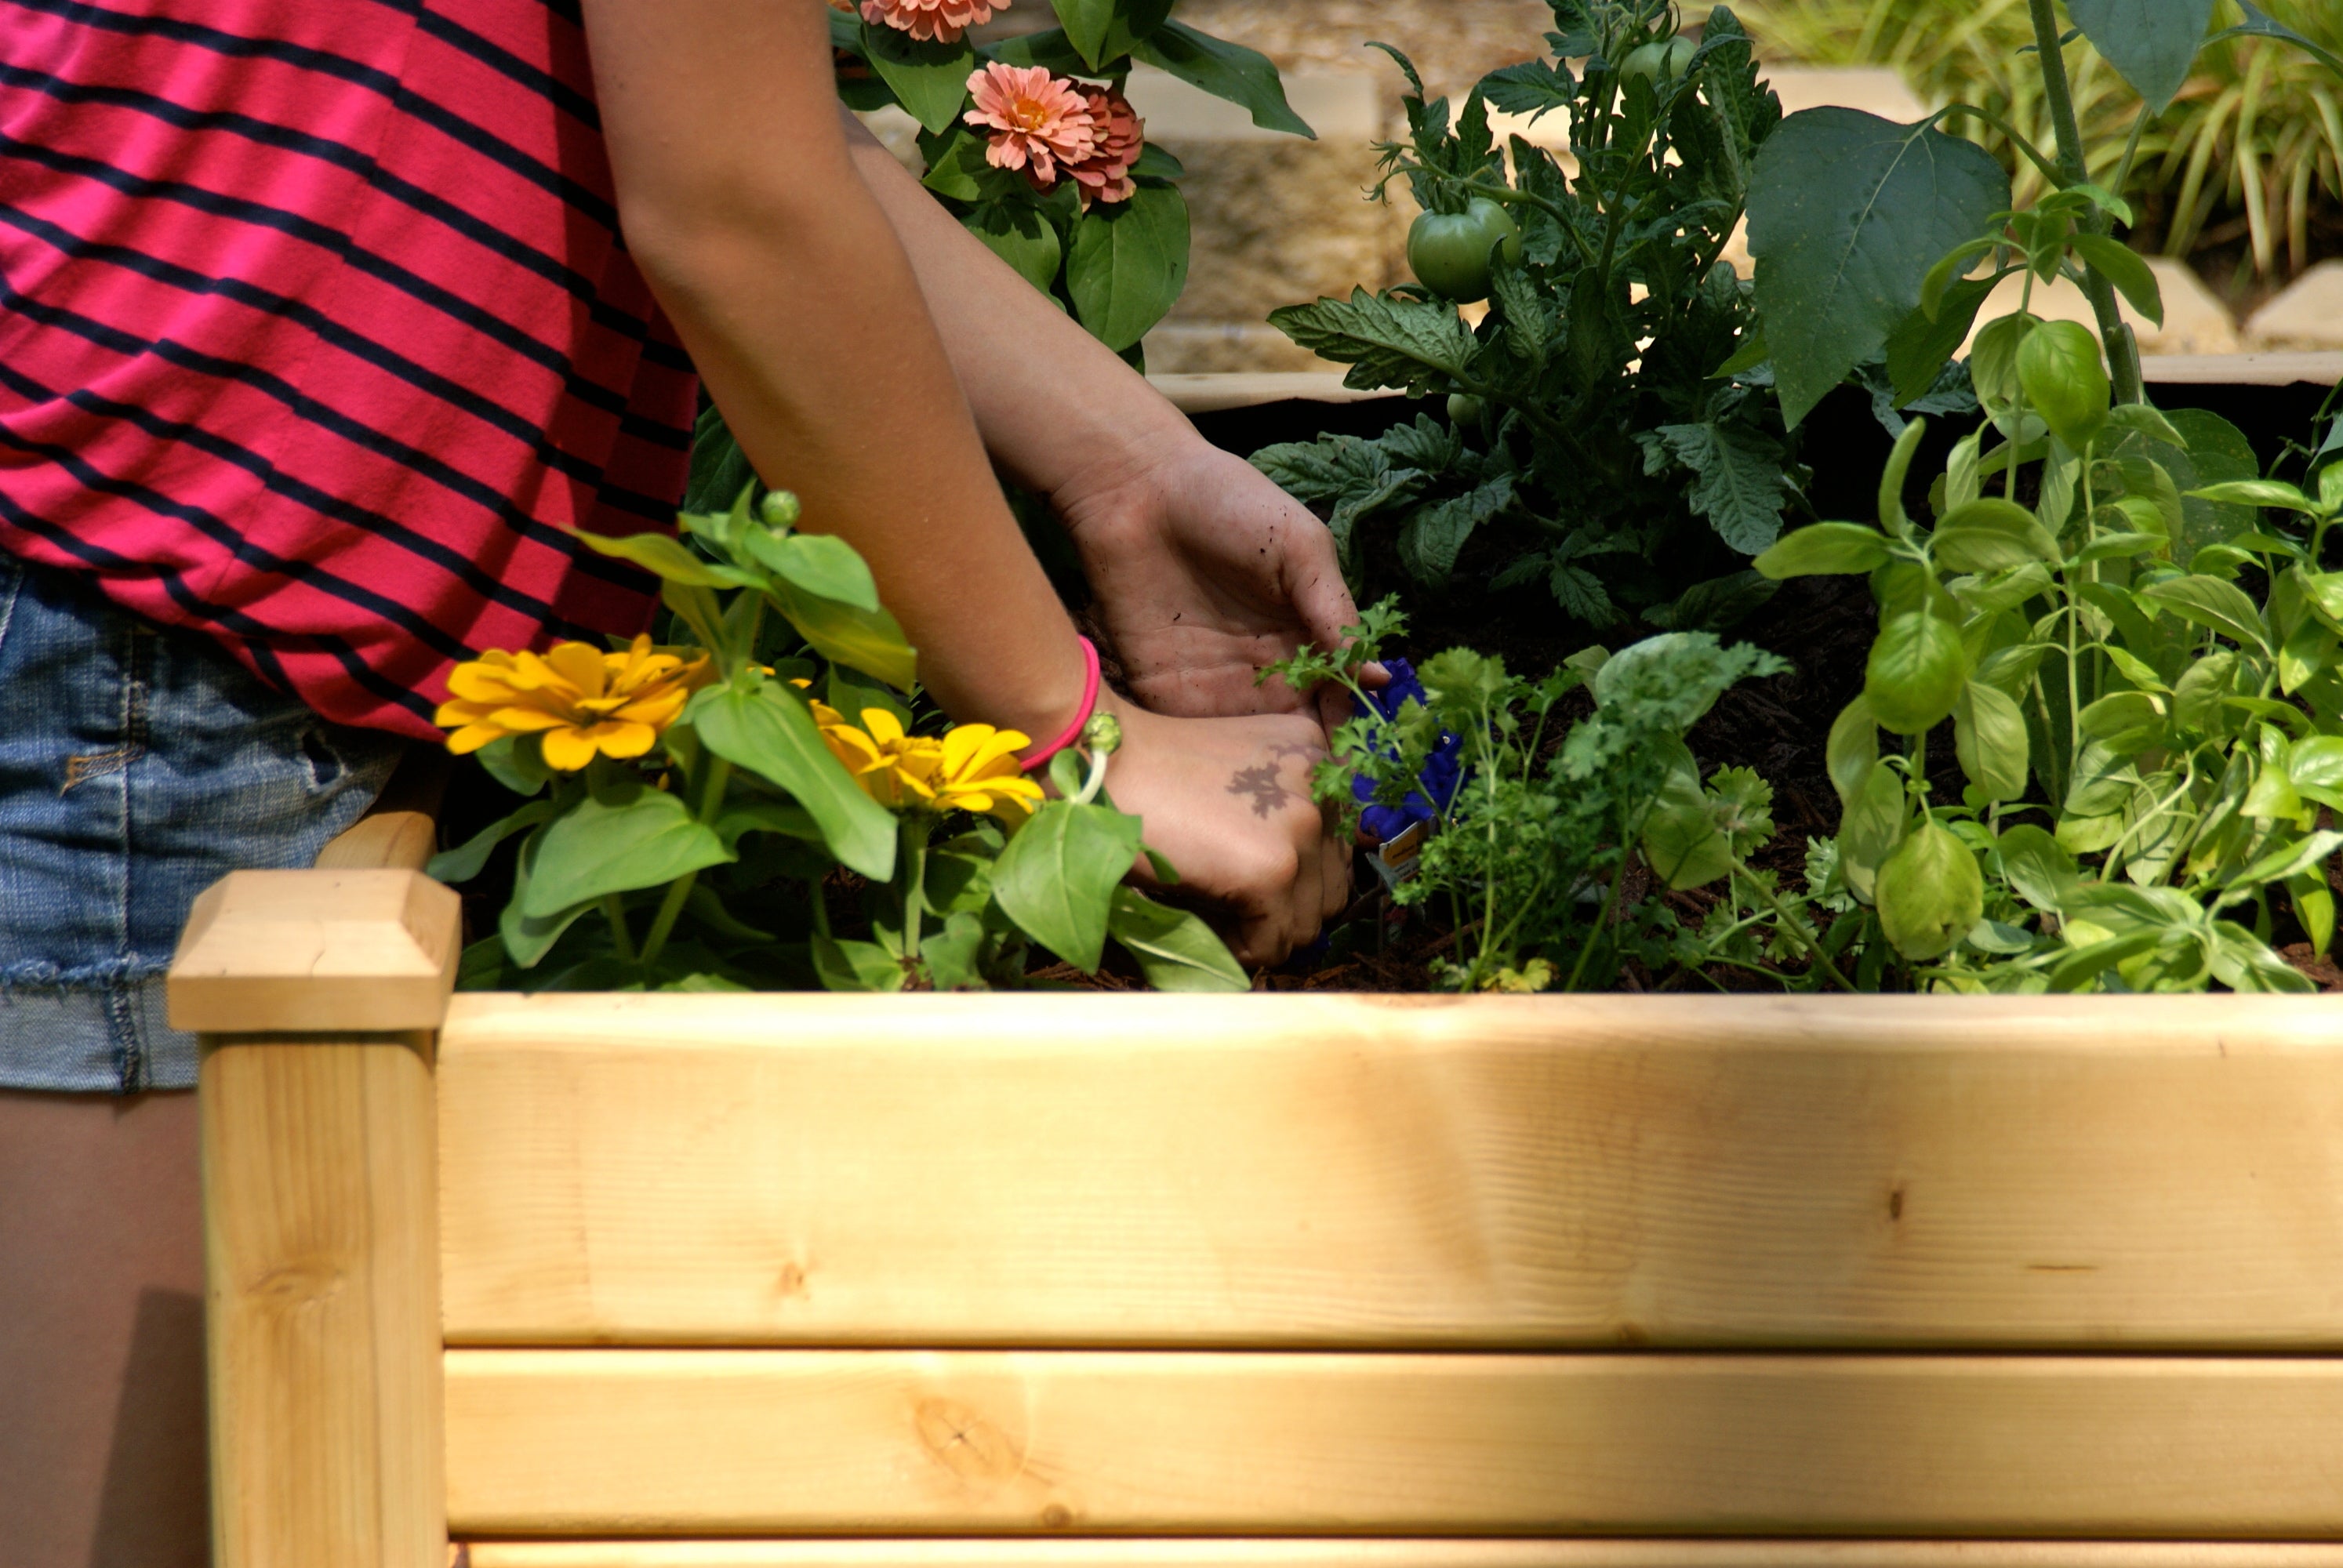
(1613, 418)
(1840, 259)
(1129, 264)
(2147, 744)
(1117, 266)
(1530, 854)
(710, 860)
(2139, 647)
(2253, 140)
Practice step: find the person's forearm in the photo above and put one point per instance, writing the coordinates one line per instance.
(801, 311)
(1053, 402)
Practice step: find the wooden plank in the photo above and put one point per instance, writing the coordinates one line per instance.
(2269, 369)
(1418, 1554)
(321, 1259)
(401, 831)
(592, 1442)
(316, 949)
(321, 1206)
(1206, 394)
(1306, 1170)
(383, 841)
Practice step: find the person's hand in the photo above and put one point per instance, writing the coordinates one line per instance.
(1227, 801)
(1205, 572)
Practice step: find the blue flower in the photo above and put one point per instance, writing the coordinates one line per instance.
(1440, 774)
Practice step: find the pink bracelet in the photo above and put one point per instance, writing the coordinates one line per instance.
(1089, 701)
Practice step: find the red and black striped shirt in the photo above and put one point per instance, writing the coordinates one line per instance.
(317, 335)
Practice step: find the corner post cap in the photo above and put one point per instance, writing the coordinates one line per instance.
(332, 950)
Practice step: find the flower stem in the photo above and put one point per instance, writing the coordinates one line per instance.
(2123, 350)
(711, 802)
(1609, 909)
(614, 908)
(1791, 923)
(915, 890)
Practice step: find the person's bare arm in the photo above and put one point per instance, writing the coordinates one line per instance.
(1206, 571)
(802, 313)
(742, 204)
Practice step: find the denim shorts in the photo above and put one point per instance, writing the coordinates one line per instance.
(138, 767)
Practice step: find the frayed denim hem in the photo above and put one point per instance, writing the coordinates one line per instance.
(92, 1039)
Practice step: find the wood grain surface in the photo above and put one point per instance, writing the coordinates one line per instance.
(1351, 1171)
(359, 949)
(590, 1443)
(1416, 1553)
(321, 1263)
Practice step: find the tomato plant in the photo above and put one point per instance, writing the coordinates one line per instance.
(1600, 430)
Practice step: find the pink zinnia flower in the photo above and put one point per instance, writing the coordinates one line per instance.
(1118, 134)
(1033, 120)
(942, 20)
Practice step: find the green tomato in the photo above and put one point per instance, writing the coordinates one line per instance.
(1658, 61)
(1449, 254)
(1501, 227)
(1463, 411)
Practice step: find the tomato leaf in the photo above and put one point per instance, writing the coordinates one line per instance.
(1739, 486)
(1409, 344)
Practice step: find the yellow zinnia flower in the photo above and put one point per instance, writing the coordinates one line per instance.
(980, 772)
(893, 768)
(972, 768)
(582, 700)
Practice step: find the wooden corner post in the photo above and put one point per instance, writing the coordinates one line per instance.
(317, 995)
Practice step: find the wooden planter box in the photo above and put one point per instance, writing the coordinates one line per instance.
(1293, 1281)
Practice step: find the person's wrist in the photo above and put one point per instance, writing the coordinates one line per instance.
(1138, 461)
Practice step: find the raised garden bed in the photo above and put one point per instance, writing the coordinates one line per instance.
(595, 1281)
